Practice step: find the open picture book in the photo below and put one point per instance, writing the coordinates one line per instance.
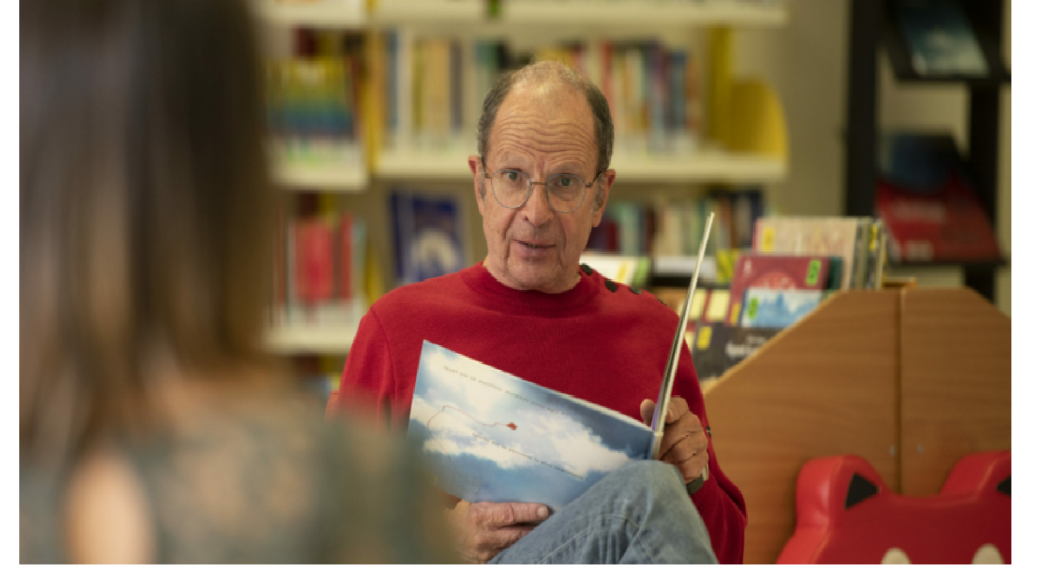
(492, 436)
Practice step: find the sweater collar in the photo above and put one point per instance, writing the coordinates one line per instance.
(483, 283)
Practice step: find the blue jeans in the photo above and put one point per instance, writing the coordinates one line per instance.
(639, 514)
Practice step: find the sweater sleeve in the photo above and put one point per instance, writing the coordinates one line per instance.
(719, 502)
(368, 386)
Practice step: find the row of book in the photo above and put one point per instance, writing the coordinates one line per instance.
(654, 90)
(674, 227)
(796, 263)
(433, 87)
(313, 98)
(319, 276)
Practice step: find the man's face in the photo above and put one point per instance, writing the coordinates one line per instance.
(541, 133)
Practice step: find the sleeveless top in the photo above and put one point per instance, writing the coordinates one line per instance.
(278, 486)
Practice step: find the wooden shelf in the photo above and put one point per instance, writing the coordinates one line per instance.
(324, 340)
(707, 166)
(340, 178)
(662, 13)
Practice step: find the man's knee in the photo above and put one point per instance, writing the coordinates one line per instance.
(660, 481)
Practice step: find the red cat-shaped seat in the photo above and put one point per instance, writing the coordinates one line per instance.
(846, 514)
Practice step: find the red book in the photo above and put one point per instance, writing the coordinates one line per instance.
(346, 257)
(314, 260)
(775, 272)
(948, 224)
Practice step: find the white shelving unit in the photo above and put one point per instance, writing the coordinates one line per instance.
(339, 14)
(527, 19)
(339, 178)
(661, 13)
(709, 166)
(319, 340)
(426, 12)
(352, 14)
(412, 165)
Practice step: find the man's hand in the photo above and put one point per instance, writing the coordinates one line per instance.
(684, 444)
(483, 530)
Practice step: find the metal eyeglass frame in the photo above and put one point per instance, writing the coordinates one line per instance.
(530, 187)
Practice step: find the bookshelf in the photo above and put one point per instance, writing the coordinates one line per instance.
(757, 157)
(353, 14)
(708, 166)
(344, 178)
(626, 13)
(871, 26)
(910, 380)
(316, 340)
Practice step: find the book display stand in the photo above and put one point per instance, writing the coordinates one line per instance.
(910, 380)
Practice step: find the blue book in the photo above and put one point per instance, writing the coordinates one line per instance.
(764, 307)
(491, 436)
(428, 233)
(940, 38)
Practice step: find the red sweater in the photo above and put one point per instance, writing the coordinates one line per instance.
(605, 346)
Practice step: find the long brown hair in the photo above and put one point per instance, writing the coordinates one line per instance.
(144, 206)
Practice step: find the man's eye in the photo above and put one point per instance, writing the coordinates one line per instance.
(566, 181)
(512, 176)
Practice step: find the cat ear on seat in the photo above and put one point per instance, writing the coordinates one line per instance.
(860, 489)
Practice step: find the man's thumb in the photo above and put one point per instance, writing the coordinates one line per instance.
(646, 410)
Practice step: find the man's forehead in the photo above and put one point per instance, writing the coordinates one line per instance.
(526, 112)
(546, 98)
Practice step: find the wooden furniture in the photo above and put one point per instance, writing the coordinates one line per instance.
(911, 380)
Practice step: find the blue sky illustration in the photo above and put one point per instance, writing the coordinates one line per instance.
(779, 308)
(462, 413)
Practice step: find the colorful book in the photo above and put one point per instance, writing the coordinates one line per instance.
(491, 436)
(428, 235)
(940, 38)
(765, 307)
(314, 254)
(947, 224)
(778, 272)
(718, 347)
(823, 236)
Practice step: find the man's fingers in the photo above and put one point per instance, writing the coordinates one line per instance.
(500, 539)
(497, 515)
(646, 410)
(688, 426)
(683, 448)
(692, 467)
(677, 408)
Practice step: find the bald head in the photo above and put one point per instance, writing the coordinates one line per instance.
(550, 80)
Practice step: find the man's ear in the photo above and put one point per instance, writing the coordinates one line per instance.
(608, 177)
(475, 167)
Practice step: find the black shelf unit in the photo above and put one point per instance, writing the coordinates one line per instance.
(870, 25)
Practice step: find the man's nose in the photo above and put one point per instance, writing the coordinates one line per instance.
(537, 210)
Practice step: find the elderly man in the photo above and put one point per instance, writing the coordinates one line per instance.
(541, 181)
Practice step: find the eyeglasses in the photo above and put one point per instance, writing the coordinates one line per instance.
(512, 188)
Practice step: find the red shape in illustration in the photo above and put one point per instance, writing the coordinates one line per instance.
(511, 425)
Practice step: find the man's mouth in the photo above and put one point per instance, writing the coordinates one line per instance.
(534, 246)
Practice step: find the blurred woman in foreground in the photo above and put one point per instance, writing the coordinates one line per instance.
(153, 427)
